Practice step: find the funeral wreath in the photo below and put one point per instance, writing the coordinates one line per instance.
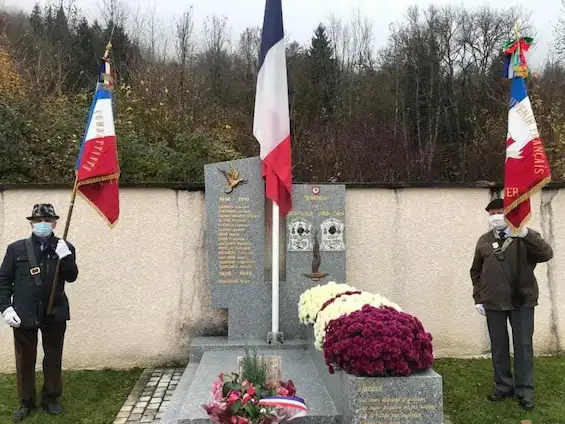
(250, 398)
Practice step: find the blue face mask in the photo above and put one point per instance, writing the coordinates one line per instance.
(42, 229)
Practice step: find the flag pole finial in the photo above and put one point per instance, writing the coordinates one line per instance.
(108, 48)
(109, 44)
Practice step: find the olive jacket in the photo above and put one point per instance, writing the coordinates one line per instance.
(503, 277)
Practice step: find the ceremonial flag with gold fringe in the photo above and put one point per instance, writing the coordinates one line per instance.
(526, 167)
(97, 168)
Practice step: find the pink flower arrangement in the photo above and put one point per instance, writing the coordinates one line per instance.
(237, 401)
(376, 342)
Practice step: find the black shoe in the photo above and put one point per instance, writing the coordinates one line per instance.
(53, 408)
(527, 404)
(22, 413)
(498, 396)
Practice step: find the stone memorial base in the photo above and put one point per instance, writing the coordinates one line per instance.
(216, 355)
(331, 398)
(417, 399)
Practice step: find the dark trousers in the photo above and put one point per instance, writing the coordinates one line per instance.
(522, 322)
(25, 341)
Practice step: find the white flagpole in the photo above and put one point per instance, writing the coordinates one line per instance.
(275, 271)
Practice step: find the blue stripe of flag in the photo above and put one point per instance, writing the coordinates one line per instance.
(507, 71)
(100, 93)
(273, 30)
(517, 91)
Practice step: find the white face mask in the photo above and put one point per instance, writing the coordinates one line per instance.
(496, 221)
(42, 229)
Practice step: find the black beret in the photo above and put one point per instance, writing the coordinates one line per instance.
(495, 204)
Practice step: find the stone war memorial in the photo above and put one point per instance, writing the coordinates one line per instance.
(343, 375)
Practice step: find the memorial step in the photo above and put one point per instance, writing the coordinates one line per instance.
(200, 345)
(296, 366)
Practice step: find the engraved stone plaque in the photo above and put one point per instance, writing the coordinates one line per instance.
(273, 366)
(417, 399)
(332, 235)
(299, 235)
(235, 217)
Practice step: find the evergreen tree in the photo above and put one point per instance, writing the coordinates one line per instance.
(85, 59)
(323, 71)
(36, 19)
(60, 33)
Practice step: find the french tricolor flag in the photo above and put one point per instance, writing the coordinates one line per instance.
(97, 167)
(271, 126)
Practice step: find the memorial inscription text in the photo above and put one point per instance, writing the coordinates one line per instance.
(393, 410)
(235, 252)
(374, 407)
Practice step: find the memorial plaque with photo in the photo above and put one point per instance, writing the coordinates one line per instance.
(315, 251)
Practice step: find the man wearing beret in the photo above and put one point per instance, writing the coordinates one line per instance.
(505, 289)
(26, 278)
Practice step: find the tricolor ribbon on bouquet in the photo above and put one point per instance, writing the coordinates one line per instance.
(286, 407)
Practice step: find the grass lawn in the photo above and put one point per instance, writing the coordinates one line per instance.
(90, 397)
(466, 384)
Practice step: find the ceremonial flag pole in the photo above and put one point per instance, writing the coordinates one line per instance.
(271, 128)
(97, 169)
(526, 169)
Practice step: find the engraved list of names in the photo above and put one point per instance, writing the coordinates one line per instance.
(235, 251)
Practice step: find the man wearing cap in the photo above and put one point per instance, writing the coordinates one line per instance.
(26, 278)
(505, 289)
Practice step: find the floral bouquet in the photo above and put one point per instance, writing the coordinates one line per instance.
(311, 300)
(345, 303)
(376, 342)
(250, 398)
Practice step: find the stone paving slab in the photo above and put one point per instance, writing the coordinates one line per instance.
(150, 397)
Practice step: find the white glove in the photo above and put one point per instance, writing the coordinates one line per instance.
(523, 233)
(480, 309)
(11, 317)
(62, 250)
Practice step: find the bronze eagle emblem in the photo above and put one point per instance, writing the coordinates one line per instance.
(233, 179)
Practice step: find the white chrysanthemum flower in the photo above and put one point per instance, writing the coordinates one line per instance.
(312, 299)
(344, 305)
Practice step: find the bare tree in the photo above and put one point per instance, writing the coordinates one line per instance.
(248, 51)
(216, 50)
(114, 12)
(185, 47)
(136, 25)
